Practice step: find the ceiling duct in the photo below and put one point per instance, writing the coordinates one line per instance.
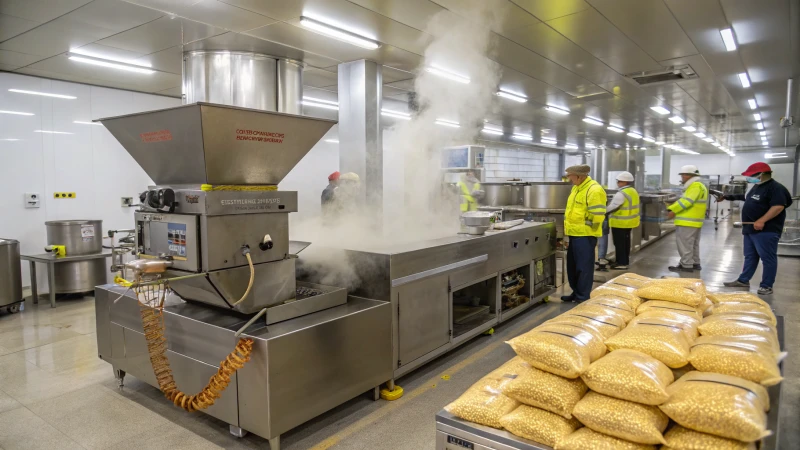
(669, 74)
(245, 79)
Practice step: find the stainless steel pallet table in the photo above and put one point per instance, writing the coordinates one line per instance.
(51, 260)
(453, 433)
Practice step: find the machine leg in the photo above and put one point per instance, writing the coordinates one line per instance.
(376, 393)
(275, 443)
(51, 281)
(34, 288)
(390, 384)
(236, 431)
(119, 374)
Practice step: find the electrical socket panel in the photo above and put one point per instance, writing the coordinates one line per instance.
(32, 199)
(126, 201)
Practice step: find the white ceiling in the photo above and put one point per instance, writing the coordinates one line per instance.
(554, 51)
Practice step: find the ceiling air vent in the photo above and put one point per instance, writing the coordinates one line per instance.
(666, 75)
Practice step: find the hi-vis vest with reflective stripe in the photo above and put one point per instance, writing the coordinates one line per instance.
(627, 216)
(586, 210)
(690, 210)
(468, 202)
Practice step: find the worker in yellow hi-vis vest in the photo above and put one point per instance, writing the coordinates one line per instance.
(623, 216)
(470, 192)
(689, 213)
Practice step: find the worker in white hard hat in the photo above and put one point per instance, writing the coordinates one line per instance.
(623, 216)
(689, 213)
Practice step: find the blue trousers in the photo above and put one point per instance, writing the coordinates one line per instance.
(602, 243)
(580, 265)
(764, 246)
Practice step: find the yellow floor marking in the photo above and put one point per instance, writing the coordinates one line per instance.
(423, 388)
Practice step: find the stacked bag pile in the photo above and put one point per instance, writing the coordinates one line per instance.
(613, 371)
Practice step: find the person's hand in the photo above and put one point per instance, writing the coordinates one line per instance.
(670, 215)
(758, 225)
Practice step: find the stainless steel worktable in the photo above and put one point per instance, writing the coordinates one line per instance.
(51, 260)
(453, 433)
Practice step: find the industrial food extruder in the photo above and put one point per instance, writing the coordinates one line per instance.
(219, 311)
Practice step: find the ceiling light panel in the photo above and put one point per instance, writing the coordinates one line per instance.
(526, 137)
(708, 139)
(45, 94)
(700, 135)
(635, 135)
(512, 96)
(102, 62)
(549, 141)
(744, 79)
(660, 109)
(760, 126)
(752, 104)
(651, 140)
(448, 123)
(395, 114)
(492, 131)
(571, 147)
(676, 119)
(593, 121)
(51, 132)
(447, 74)
(557, 110)
(727, 39)
(16, 113)
(689, 128)
(757, 116)
(341, 34)
(615, 129)
(85, 122)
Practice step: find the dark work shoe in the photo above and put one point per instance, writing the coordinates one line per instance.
(619, 267)
(764, 290)
(736, 283)
(679, 269)
(697, 267)
(568, 298)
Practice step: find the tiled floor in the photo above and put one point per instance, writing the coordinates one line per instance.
(55, 393)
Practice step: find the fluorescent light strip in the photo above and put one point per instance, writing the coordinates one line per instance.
(775, 155)
(332, 141)
(319, 105)
(700, 135)
(557, 110)
(447, 74)
(615, 129)
(660, 109)
(87, 123)
(760, 126)
(763, 133)
(708, 139)
(111, 64)
(744, 79)
(660, 142)
(717, 144)
(592, 121)
(51, 132)
(549, 141)
(16, 113)
(448, 123)
(676, 119)
(635, 135)
(512, 96)
(524, 137)
(319, 100)
(752, 104)
(492, 131)
(338, 33)
(571, 147)
(395, 115)
(9, 139)
(727, 38)
(45, 94)
(651, 140)
(757, 116)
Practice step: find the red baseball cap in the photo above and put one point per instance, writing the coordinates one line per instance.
(334, 176)
(755, 168)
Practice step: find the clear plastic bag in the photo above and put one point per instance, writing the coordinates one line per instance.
(666, 343)
(751, 360)
(607, 326)
(560, 349)
(687, 324)
(751, 309)
(735, 325)
(595, 309)
(659, 305)
(544, 390)
(622, 419)
(622, 292)
(484, 403)
(703, 309)
(538, 425)
(680, 438)
(688, 291)
(721, 405)
(587, 439)
(630, 280)
(738, 297)
(619, 306)
(630, 375)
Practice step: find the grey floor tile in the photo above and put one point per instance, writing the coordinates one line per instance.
(96, 418)
(21, 429)
(28, 383)
(7, 403)
(170, 436)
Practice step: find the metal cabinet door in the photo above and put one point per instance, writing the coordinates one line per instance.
(423, 317)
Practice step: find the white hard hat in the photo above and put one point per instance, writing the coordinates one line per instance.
(625, 176)
(689, 169)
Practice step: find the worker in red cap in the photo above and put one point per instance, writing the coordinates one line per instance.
(329, 194)
(763, 216)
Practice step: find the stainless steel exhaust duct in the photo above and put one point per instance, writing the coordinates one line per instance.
(248, 80)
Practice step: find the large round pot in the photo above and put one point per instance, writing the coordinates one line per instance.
(476, 222)
(502, 194)
(547, 195)
(80, 237)
(10, 274)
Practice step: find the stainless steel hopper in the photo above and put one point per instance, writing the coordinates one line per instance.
(206, 143)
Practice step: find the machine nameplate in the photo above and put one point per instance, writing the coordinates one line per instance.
(460, 442)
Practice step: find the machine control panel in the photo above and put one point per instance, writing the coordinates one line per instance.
(169, 235)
